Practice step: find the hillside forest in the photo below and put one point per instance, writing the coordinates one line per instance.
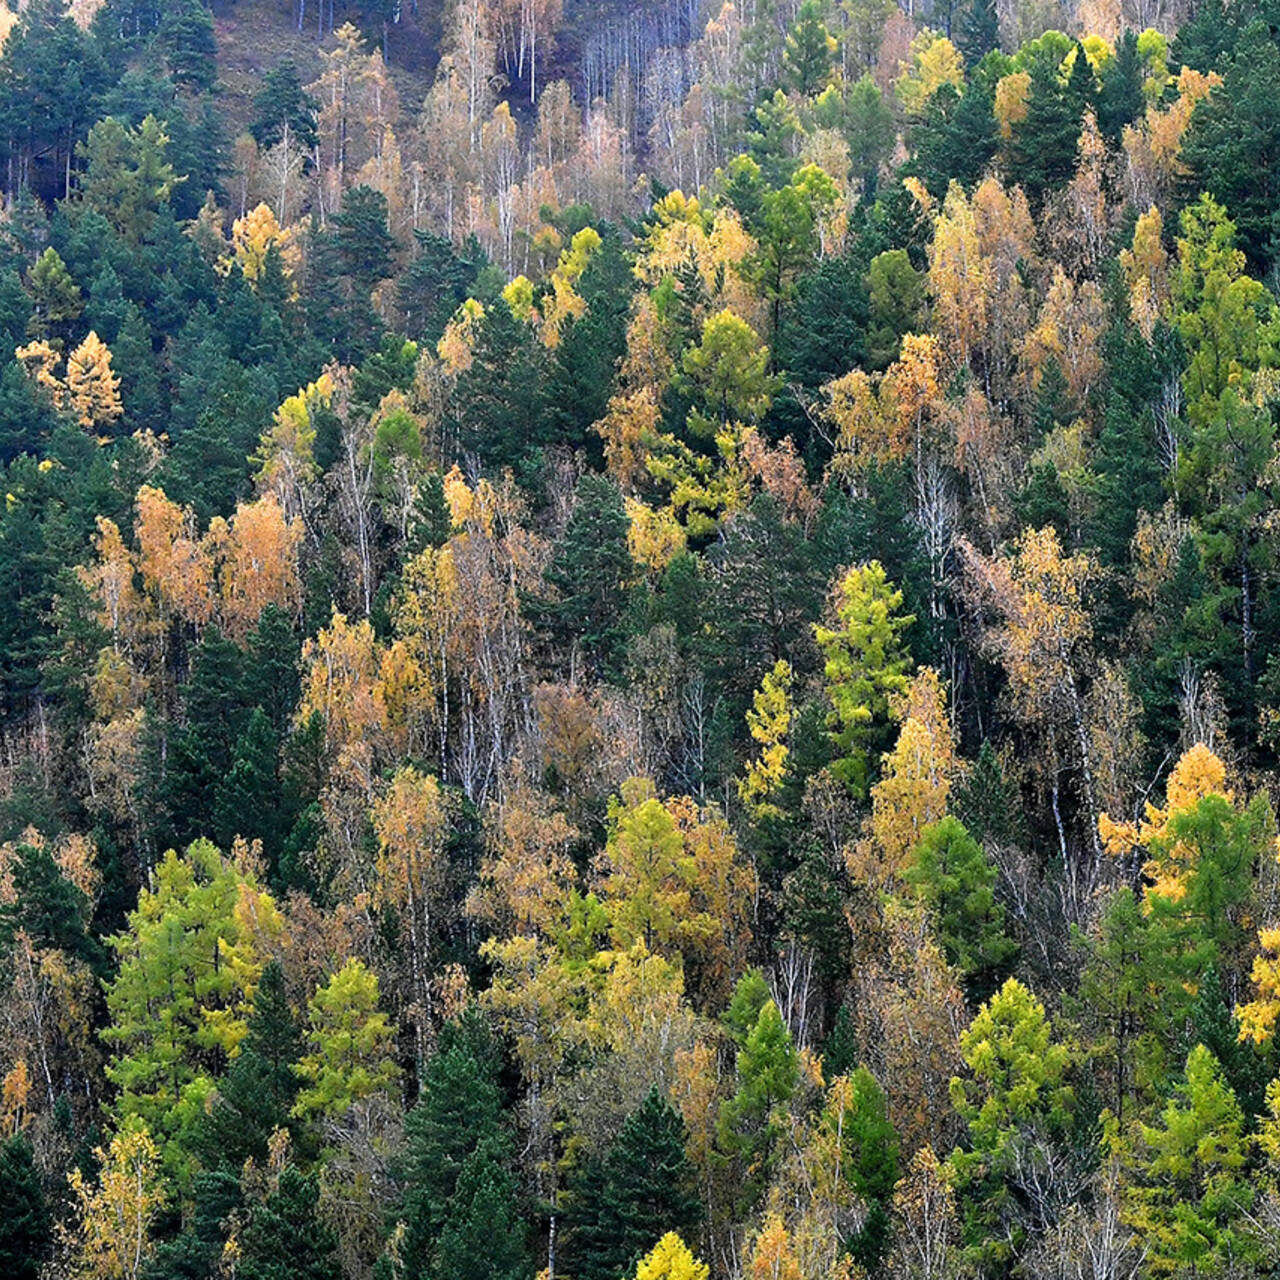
(640, 641)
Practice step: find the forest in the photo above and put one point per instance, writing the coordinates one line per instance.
(640, 640)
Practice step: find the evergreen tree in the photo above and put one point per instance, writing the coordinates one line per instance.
(950, 873)
(869, 130)
(1246, 1066)
(458, 1113)
(809, 53)
(1043, 156)
(434, 286)
(499, 394)
(591, 573)
(840, 1050)
(956, 139)
(987, 803)
(644, 1186)
(255, 1096)
(857, 1118)
(1232, 147)
(285, 1237)
(1120, 100)
(185, 40)
(247, 802)
(53, 912)
(26, 1230)
(977, 31)
(282, 104)
(483, 1237)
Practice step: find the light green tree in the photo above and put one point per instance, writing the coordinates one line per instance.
(729, 373)
(352, 1044)
(866, 664)
(1191, 1189)
(1014, 1090)
(178, 1003)
(752, 1121)
(951, 874)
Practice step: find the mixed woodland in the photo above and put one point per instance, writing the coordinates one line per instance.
(639, 641)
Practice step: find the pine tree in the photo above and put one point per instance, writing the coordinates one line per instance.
(950, 873)
(433, 287)
(26, 1230)
(809, 53)
(987, 804)
(856, 1118)
(247, 801)
(285, 1237)
(459, 1111)
(644, 1186)
(591, 572)
(977, 32)
(255, 1096)
(1044, 150)
(840, 1050)
(1120, 100)
(483, 1237)
(282, 104)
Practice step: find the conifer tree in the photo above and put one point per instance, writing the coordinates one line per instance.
(591, 573)
(809, 52)
(255, 1095)
(644, 1186)
(483, 1237)
(458, 1112)
(1193, 1187)
(25, 1226)
(285, 1237)
(751, 1121)
(950, 873)
(866, 663)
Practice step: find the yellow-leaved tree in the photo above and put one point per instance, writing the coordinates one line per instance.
(671, 1259)
(112, 1239)
(769, 722)
(93, 389)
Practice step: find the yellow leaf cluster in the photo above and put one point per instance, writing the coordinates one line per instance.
(1197, 774)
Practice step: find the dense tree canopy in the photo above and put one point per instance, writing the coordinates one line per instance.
(640, 641)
